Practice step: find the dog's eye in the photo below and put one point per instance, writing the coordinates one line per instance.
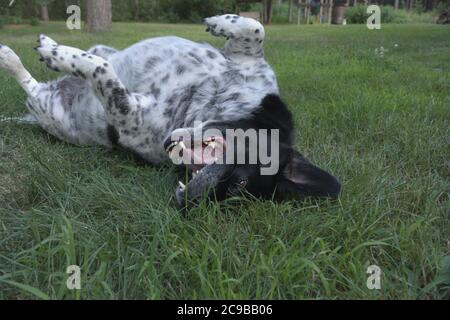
(236, 188)
(242, 183)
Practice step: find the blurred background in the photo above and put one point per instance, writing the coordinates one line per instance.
(102, 12)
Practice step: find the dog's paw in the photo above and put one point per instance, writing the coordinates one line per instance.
(9, 60)
(48, 50)
(45, 41)
(68, 59)
(233, 26)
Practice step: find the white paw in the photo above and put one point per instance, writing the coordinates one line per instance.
(10, 61)
(235, 27)
(46, 41)
(67, 59)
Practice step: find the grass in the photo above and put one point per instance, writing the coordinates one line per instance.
(381, 124)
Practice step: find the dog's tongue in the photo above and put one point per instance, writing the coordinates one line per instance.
(209, 154)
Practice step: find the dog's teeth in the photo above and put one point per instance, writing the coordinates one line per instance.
(183, 146)
(212, 145)
(194, 174)
(182, 185)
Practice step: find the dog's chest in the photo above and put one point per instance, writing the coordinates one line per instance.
(177, 72)
(190, 82)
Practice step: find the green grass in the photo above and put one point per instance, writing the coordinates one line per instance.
(381, 124)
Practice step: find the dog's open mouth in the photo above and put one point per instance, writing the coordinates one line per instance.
(196, 155)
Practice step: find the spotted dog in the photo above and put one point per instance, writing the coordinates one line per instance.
(137, 98)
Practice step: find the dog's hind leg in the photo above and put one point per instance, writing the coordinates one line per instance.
(10, 62)
(59, 107)
(102, 51)
(245, 36)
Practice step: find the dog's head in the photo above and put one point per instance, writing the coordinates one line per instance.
(252, 156)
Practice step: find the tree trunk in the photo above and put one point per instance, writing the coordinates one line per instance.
(136, 10)
(290, 11)
(44, 13)
(396, 4)
(99, 15)
(268, 10)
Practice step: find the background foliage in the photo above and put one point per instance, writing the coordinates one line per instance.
(192, 11)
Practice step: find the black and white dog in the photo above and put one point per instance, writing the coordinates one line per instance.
(137, 98)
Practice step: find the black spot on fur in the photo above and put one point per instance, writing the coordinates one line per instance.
(181, 69)
(79, 73)
(113, 135)
(121, 100)
(165, 79)
(211, 54)
(100, 88)
(155, 91)
(196, 58)
(152, 62)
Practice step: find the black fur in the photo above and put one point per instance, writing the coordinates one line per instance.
(113, 135)
(296, 174)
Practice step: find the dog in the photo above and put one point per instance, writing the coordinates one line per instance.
(139, 97)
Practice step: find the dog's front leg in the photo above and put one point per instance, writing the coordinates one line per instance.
(124, 109)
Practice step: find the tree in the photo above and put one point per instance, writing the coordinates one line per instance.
(99, 15)
(268, 11)
(290, 11)
(136, 10)
(43, 4)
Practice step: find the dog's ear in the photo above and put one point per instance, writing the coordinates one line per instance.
(300, 175)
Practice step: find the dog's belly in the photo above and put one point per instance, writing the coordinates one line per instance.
(190, 82)
(166, 63)
(175, 71)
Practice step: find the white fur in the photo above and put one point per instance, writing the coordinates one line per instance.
(150, 89)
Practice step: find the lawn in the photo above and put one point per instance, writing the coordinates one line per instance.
(378, 122)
